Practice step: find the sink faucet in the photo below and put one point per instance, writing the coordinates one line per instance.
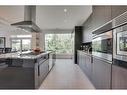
(89, 49)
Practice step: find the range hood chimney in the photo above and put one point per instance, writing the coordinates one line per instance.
(29, 20)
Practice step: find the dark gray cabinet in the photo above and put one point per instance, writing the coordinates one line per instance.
(17, 78)
(97, 70)
(88, 65)
(23, 73)
(52, 60)
(43, 69)
(119, 77)
(117, 10)
(101, 15)
(84, 61)
(101, 77)
(87, 31)
(77, 40)
(80, 59)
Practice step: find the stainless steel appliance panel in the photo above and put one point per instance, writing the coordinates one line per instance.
(120, 43)
(102, 45)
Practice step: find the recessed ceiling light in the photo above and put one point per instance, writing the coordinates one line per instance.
(65, 10)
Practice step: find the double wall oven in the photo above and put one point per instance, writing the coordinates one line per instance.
(102, 60)
(120, 37)
(102, 45)
(119, 66)
(120, 46)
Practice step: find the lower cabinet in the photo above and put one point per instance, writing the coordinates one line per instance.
(97, 70)
(119, 77)
(102, 73)
(43, 69)
(101, 77)
(89, 65)
(52, 60)
(84, 61)
(16, 78)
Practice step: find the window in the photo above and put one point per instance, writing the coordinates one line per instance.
(20, 42)
(61, 43)
(16, 44)
(26, 44)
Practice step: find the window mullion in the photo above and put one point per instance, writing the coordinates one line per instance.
(21, 45)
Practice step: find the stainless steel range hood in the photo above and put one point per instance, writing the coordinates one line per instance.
(29, 20)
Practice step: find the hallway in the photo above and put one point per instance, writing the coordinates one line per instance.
(66, 75)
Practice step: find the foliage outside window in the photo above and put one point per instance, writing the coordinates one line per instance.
(61, 43)
(21, 42)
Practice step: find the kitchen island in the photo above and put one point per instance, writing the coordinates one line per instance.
(26, 70)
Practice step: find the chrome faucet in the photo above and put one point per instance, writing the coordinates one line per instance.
(89, 49)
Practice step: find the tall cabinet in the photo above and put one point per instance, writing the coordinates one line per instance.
(117, 10)
(77, 40)
(104, 74)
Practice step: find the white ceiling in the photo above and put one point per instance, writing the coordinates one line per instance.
(48, 17)
(12, 14)
(54, 17)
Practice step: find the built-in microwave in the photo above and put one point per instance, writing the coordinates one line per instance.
(119, 25)
(121, 43)
(102, 45)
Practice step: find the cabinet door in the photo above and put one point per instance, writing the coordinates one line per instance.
(101, 74)
(16, 78)
(50, 61)
(101, 15)
(43, 70)
(119, 77)
(82, 61)
(117, 10)
(85, 63)
(88, 66)
(78, 57)
(77, 40)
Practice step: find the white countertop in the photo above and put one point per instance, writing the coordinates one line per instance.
(17, 55)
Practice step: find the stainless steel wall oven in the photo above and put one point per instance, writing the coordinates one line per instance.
(102, 45)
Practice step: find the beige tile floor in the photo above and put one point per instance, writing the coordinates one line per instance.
(66, 75)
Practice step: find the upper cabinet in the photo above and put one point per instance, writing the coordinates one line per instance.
(117, 10)
(101, 15)
(87, 34)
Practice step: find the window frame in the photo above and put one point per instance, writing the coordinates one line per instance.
(15, 38)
